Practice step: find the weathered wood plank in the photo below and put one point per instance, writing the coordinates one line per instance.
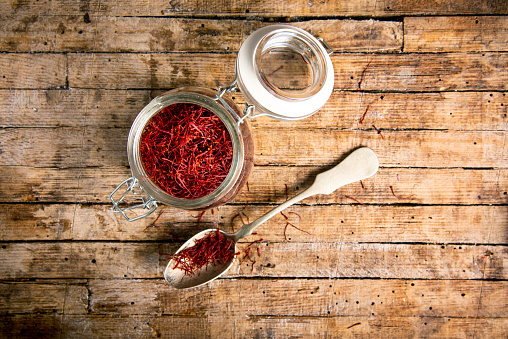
(249, 326)
(300, 297)
(386, 72)
(94, 147)
(393, 148)
(104, 260)
(43, 297)
(118, 108)
(32, 70)
(326, 223)
(387, 326)
(59, 108)
(456, 34)
(260, 8)
(410, 185)
(32, 33)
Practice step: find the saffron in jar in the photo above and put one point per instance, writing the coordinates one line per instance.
(186, 150)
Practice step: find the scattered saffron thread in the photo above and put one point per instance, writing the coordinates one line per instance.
(278, 69)
(290, 224)
(378, 132)
(247, 250)
(199, 218)
(366, 110)
(361, 183)
(363, 75)
(353, 325)
(153, 223)
(391, 188)
(347, 196)
(298, 215)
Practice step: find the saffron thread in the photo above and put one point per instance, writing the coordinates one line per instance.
(363, 75)
(348, 197)
(366, 110)
(378, 132)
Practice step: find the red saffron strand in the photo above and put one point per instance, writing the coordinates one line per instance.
(153, 223)
(290, 224)
(347, 196)
(363, 75)
(347, 328)
(361, 182)
(199, 218)
(186, 150)
(298, 215)
(378, 132)
(366, 110)
(246, 216)
(391, 188)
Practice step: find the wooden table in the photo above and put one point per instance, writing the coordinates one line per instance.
(418, 250)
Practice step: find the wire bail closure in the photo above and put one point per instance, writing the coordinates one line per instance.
(247, 111)
(132, 185)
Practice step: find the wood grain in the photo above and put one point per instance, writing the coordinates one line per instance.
(456, 111)
(33, 71)
(416, 186)
(326, 223)
(72, 147)
(34, 33)
(77, 326)
(418, 250)
(106, 260)
(314, 297)
(329, 298)
(43, 297)
(455, 34)
(195, 8)
(386, 72)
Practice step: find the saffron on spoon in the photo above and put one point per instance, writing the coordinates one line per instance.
(213, 249)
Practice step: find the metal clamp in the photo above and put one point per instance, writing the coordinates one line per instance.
(147, 201)
(325, 44)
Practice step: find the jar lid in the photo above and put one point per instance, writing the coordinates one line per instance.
(285, 72)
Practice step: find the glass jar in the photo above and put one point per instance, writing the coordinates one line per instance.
(283, 72)
(150, 193)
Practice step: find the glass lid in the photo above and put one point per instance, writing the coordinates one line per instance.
(285, 72)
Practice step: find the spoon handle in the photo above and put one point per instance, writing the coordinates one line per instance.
(360, 164)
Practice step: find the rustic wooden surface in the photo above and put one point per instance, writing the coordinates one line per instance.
(429, 259)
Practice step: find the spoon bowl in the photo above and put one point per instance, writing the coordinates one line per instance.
(360, 164)
(177, 277)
